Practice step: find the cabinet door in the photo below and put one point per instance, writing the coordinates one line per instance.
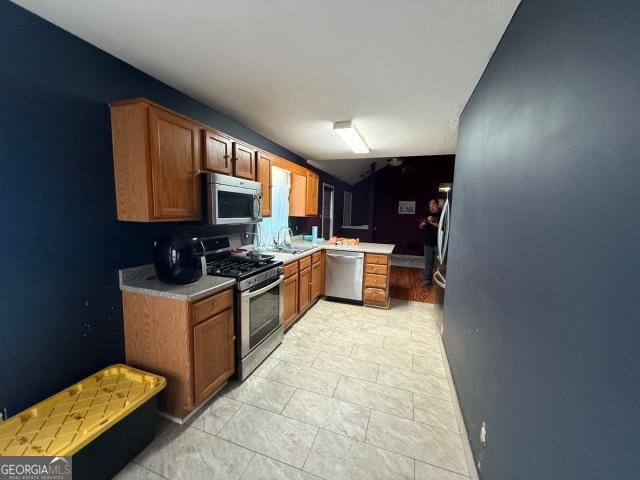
(264, 176)
(212, 354)
(297, 195)
(304, 290)
(244, 161)
(290, 299)
(316, 281)
(175, 164)
(323, 264)
(312, 194)
(217, 152)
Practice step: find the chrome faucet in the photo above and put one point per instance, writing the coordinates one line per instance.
(284, 242)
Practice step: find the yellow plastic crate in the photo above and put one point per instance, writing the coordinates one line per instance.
(64, 423)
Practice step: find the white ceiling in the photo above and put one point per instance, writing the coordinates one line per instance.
(402, 70)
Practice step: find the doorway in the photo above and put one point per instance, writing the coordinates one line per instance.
(327, 211)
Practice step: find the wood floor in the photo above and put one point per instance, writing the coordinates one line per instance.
(405, 285)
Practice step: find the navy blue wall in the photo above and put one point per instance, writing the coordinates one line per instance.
(542, 321)
(61, 242)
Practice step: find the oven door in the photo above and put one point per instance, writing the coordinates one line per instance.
(261, 312)
(229, 205)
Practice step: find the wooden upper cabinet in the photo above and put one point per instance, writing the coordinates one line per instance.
(263, 168)
(313, 180)
(156, 156)
(298, 195)
(175, 164)
(244, 164)
(217, 152)
(213, 354)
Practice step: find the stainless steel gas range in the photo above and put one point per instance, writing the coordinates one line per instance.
(259, 300)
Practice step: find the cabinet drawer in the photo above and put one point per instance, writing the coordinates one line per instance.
(212, 305)
(375, 295)
(305, 262)
(290, 269)
(376, 269)
(371, 280)
(376, 259)
(316, 257)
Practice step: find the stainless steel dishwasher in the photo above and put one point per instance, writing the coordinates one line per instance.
(344, 275)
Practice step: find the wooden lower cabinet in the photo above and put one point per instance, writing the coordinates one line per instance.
(375, 296)
(316, 281)
(290, 299)
(376, 280)
(303, 285)
(304, 289)
(191, 344)
(213, 354)
(373, 280)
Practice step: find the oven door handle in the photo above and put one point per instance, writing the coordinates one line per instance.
(263, 289)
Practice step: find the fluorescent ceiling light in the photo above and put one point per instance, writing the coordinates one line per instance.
(351, 136)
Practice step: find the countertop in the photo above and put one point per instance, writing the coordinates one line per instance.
(143, 280)
(381, 248)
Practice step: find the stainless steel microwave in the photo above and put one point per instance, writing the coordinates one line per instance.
(232, 200)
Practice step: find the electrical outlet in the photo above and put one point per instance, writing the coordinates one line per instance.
(483, 434)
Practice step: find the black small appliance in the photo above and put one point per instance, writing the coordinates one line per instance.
(178, 258)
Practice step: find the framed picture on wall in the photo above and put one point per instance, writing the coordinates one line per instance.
(406, 207)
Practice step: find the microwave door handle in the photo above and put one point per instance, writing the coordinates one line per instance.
(263, 289)
(256, 210)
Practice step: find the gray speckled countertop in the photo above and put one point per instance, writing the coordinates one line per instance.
(143, 280)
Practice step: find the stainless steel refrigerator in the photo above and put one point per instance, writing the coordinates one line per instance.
(440, 275)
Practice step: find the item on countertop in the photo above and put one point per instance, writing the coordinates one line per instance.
(306, 238)
(178, 259)
(256, 256)
(343, 241)
(314, 234)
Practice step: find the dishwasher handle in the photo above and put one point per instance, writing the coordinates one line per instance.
(357, 256)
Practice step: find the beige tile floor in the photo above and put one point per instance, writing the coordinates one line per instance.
(352, 393)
